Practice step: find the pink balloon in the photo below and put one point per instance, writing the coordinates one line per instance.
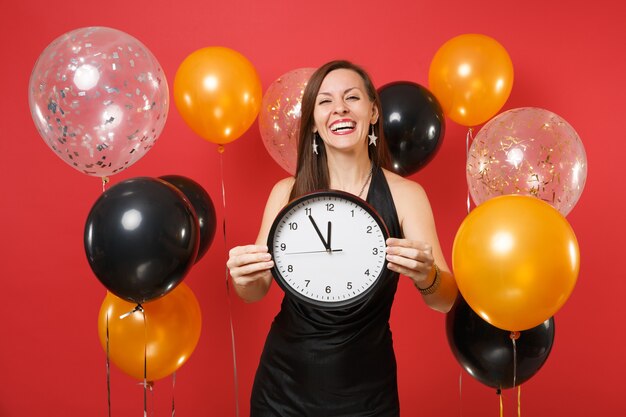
(528, 151)
(99, 99)
(279, 117)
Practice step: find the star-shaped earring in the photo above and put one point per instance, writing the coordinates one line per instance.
(372, 137)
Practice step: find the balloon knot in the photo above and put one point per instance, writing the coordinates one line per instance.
(138, 307)
(147, 384)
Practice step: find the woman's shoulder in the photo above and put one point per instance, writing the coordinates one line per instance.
(284, 185)
(282, 189)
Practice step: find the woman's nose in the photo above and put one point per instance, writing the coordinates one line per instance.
(340, 107)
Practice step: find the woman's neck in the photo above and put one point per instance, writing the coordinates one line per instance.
(349, 172)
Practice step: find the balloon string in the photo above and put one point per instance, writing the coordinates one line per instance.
(108, 366)
(461, 394)
(105, 181)
(173, 388)
(145, 361)
(514, 363)
(146, 384)
(519, 401)
(501, 407)
(152, 407)
(514, 336)
(468, 138)
(228, 298)
(138, 307)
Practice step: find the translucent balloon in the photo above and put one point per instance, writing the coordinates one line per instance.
(528, 151)
(279, 118)
(99, 99)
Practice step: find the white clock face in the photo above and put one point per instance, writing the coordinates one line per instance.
(328, 248)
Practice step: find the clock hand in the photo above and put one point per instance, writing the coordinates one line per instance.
(328, 237)
(314, 251)
(326, 245)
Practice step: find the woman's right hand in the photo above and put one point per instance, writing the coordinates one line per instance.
(250, 267)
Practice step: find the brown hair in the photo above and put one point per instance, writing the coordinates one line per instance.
(312, 170)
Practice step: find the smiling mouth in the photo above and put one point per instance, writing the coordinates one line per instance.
(342, 126)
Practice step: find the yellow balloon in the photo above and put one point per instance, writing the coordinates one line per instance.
(167, 338)
(218, 93)
(471, 75)
(516, 261)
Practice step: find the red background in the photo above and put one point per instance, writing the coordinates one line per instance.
(568, 57)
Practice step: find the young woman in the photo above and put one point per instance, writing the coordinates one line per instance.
(341, 363)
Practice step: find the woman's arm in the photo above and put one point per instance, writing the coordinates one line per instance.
(250, 265)
(416, 254)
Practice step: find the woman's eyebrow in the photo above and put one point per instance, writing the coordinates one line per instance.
(345, 91)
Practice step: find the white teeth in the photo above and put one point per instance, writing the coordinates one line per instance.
(343, 125)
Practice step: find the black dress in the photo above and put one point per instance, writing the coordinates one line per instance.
(319, 363)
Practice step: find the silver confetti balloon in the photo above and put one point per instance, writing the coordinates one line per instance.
(99, 99)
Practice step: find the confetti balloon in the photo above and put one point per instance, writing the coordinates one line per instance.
(99, 99)
(528, 151)
(279, 118)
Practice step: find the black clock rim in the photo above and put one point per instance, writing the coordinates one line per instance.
(325, 305)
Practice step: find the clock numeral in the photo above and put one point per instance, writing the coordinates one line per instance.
(330, 207)
(369, 229)
(308, 281)
(289, 268)
(307, 211)
(367, 272)
(352, 211)
(328, 289)
(349, 286)
(293, 226)
(283, 247)
(375, 251)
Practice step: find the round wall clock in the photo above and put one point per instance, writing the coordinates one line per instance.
(328, 249)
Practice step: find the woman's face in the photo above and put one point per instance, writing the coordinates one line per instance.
(343, 111)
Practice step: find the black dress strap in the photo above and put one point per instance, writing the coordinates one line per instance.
(379, 197)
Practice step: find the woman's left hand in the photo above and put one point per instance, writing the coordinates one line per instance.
(411, 258)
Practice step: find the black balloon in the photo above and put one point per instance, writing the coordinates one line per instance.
(413, 124)
(141, 238)
(203, 206)
(486, 352)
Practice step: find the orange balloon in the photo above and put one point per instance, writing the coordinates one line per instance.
(170, 335)
(471, 75)
(218, 93)
(516, 261)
